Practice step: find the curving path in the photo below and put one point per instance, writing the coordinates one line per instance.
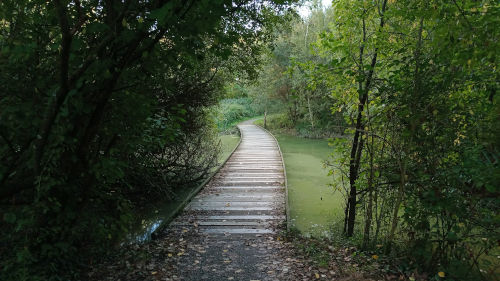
(229, 230)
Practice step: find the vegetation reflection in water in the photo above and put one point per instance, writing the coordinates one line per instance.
(152, 216)
(314, 205)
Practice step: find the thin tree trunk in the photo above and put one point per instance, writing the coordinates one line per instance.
(311, 118)
(346, 216)
(399, 200)
(369, 211)
(357, 144)
(265, 119)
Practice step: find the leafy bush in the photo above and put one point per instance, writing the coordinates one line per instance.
(232, 111)
(276, 122)
(104, 104)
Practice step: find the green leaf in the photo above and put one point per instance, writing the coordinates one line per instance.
(9, 217)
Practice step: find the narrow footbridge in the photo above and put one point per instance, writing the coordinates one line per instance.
(246, 196)
(230, 230)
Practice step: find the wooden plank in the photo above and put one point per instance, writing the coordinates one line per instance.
(237, 231)
(246, 217)
(222, 223)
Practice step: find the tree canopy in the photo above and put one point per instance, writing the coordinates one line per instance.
(104, 104)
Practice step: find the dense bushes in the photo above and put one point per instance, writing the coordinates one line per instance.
(105, 104)
(414, 86)
(232, 111)
(276, 122)
(413, 80)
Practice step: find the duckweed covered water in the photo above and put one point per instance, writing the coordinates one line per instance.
(314, 205)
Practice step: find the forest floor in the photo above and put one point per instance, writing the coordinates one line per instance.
(190, 256)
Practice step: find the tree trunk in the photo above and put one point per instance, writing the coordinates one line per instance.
(265, 119)
(399, 199)
(311, 118)
(357, 144)
(369, 208)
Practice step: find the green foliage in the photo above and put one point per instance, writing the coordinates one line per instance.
(105, 105)
(232, 111)
(416, 82)
(414, 86)
(276, 122)
(284, 85)
(235, 91)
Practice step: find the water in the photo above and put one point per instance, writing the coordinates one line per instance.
(315, 207)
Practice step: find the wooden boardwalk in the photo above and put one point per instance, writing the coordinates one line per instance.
(246, 196)
(231, 230)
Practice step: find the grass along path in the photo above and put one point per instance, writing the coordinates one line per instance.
(228, 143)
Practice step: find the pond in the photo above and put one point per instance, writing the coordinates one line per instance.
(151, 217)
(314, 205)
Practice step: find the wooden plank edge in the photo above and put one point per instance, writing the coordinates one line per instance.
(287, 207)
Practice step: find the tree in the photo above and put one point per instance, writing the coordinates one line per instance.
(414, 80)
(104, 103)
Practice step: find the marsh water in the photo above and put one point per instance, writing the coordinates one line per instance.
(315, 207)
